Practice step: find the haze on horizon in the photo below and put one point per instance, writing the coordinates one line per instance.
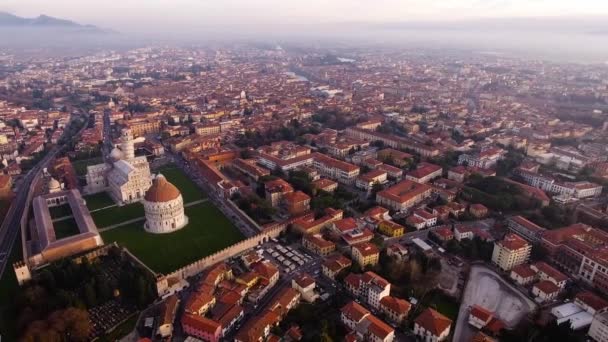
(573, 30)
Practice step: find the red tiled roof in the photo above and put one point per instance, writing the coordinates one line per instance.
(433, 321)
(378, 328)
(524, 271)
(550, 271)
(404, 191)
(200, 323)
(296, 197)
(481, 313)
(366, 249)
(513, 242)
(592, 300)
(546, 287)
(304, 280)
(354, 311)
(346, 224)
(397, 305)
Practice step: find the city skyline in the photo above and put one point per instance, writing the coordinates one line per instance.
(163, 15)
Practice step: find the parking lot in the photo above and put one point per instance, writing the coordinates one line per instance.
(287, 258)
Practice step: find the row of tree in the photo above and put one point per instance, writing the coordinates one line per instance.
(67, 285)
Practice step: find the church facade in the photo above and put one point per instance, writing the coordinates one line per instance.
(126, 177)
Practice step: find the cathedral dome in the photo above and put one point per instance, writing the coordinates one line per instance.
(54, 185)
(161, 190)
(116, 154)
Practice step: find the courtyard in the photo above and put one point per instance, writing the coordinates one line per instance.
(208, 231)
(65, 228)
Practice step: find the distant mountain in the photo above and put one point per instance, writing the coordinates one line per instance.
(43, 21)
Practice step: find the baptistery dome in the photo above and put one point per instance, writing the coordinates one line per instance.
(164, 207)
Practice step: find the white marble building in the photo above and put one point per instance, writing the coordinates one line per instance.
(126, 178)
(164, 207)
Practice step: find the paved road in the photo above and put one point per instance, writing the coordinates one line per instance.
(11, 226)
(244, 227)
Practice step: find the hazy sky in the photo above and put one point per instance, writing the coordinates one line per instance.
(174, 15)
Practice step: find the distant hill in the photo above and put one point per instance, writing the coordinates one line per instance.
(43, 21)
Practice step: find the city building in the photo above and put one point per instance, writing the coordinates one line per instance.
(599, 327)
(318, 245)
(511, 251)
(424, 173)
(201, 327)
(391, 229)
(365, 254)
(369, 286)
(341, 172)
(525, 228)
(404, 195)
(431, 326)
(485, 159)
(126, 178)
(365, 325)
(395, 309)
(334, 265)
(48, 244)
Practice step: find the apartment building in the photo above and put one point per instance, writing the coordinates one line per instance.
(403, 195)
(340, 171)
(365, 254)
(424, 173)
(485, 159)
(511, 251)
(525, 228)
(318, 245)
(369, 286)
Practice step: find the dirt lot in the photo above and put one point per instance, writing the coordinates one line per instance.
(489, 290)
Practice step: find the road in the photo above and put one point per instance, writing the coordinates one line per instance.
(244, 227)
(11, 226)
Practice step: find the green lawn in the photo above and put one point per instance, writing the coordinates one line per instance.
(114, 215)
(65, 228)
(190, 191)
(80, 166)
(207, 232)
(446, 305)
(60, 211)
(98, 200)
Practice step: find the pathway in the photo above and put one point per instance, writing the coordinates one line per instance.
(63, 218)
(105, 229)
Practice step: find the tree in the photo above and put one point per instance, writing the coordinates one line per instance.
(435, 264)
(141, 291)
(325, 334)
(453, 247)
(90, 297)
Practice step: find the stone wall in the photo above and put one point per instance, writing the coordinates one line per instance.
(222, 255)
